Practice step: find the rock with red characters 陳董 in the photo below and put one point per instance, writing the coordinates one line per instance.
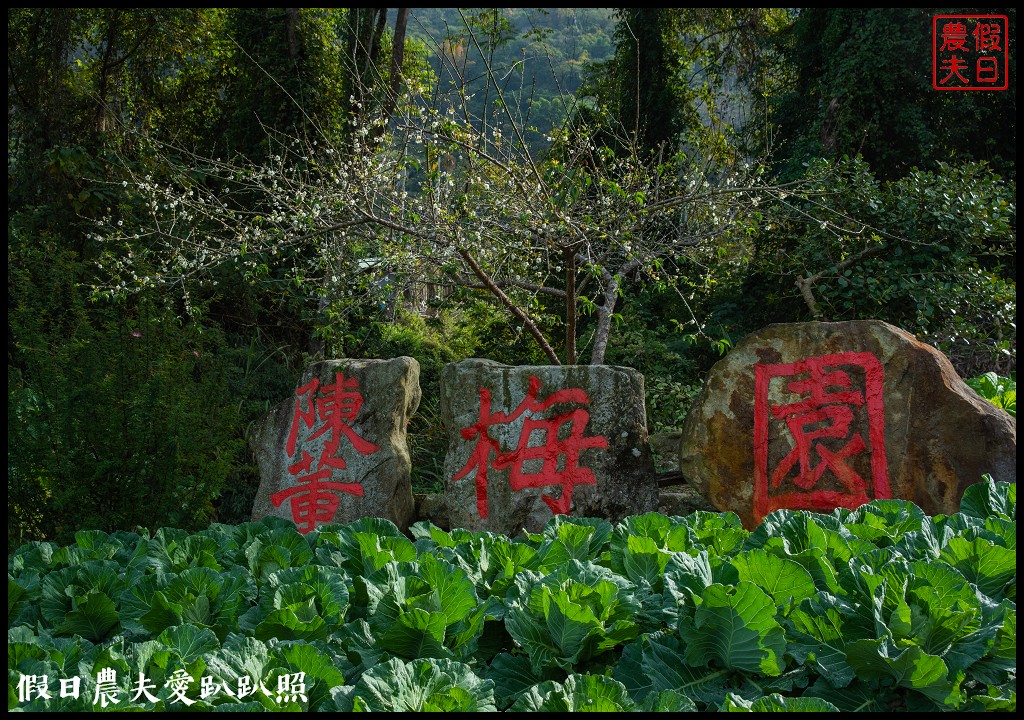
(335, 451)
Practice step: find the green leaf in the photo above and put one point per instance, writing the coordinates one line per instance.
(363, 546)
(784, 580)
(452, 592)
(532, 635)
(17, 600)
(736, 627)
(908, 667)
(692, 573)
(654, 664)
(643, 562)
(987, 498)
(321, 670)
(992, 568)
(777, 703)
(667, 701)
(996, 698)
(416, 633)
(721, 533)
(417, 686)
(1001, 663)
(859, 696)
(578, 693)
(512, 676)
(94, 617)
(569, 538)
(818, 634)
(947, 615)
(189, 642)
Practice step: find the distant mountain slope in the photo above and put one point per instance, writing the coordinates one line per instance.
(539, 56)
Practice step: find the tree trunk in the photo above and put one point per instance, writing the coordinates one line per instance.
(505, 300)
(570, 306)
(604, 319)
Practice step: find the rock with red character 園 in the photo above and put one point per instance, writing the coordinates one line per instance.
(817, 416)
(335, 451)
(526, 443)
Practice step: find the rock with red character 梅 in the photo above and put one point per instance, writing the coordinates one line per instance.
(526, 443)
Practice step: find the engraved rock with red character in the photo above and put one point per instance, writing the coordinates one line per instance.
(526, 443)
(335, 451)
(817, 416)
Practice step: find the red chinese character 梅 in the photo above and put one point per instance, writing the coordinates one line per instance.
(552, 454)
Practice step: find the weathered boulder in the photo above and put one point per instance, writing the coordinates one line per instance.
(335, 451)
(527, 442)
(825, 415)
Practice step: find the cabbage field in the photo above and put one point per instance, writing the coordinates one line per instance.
(878, 609)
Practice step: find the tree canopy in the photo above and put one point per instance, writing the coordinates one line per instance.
(202, 200)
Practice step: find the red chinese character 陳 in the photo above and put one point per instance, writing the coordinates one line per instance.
(954, 36)
(826, 426)
(314, 500)
(986, 37)
(552, 454)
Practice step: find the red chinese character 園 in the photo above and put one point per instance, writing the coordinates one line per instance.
(557, 456)
(832, 433)
(313, 499)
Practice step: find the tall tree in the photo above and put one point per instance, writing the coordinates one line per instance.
(681, 78)
(448, 200)
(862, 84)
(312, 73)
(87, 449)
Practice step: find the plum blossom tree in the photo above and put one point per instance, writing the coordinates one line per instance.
(426, 192)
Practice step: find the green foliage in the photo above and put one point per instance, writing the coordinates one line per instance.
(931, 252)
(563, 40)
(881, 607)
(108, 429)
(649, 341)
(856, 86)
(417, 686)
(117, 424)
(1000, 391)
(674, 83)
(286, 75)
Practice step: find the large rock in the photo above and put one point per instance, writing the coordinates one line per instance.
(525, 443)
(826, 415)
(335, 450)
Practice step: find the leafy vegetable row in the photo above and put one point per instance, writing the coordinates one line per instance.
(879, 608)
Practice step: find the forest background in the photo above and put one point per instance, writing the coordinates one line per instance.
(203, 201)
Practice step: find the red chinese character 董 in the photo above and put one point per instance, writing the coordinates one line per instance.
(553, 453)
(314, 498)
